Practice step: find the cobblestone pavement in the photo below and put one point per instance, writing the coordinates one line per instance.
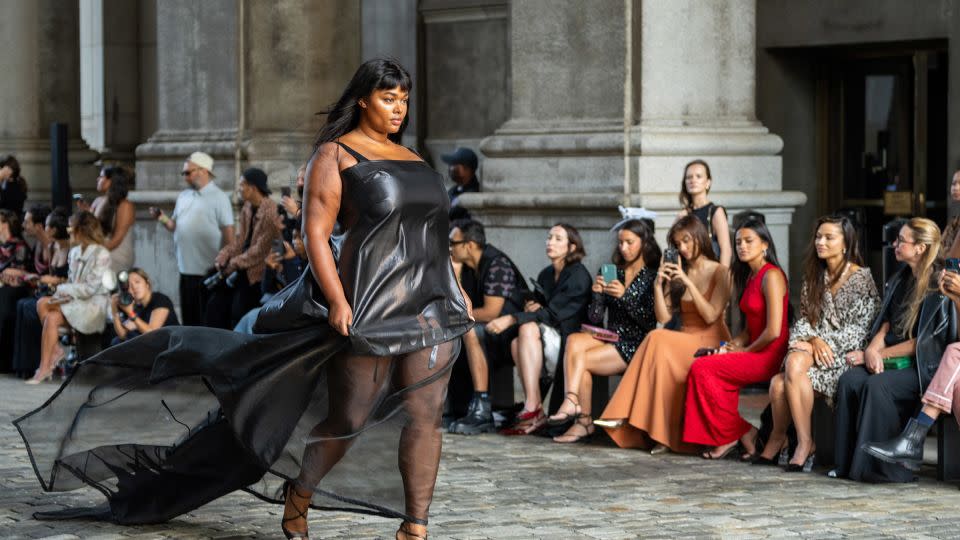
(517, 488)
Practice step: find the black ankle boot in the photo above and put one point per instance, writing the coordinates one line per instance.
(905, 449)
(478, 420)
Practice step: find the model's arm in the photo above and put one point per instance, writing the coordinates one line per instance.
(320, 208)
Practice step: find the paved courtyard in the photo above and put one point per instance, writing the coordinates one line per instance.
(518, 488)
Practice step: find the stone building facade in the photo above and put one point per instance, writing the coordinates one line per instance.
(576, 107)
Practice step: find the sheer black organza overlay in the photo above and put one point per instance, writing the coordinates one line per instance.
(175, 418)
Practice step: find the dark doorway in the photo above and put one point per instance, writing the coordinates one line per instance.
(882, 123)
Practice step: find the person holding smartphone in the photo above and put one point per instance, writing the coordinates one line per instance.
(647, 408)
(628, 303)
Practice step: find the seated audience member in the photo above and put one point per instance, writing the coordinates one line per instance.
(13, 187)
(940, 398)
(711, 415)
(143, 311)
(14, 261)
(294, 207)
(50, 260)
(565, 289)
(876, 396)
(82, 301)
(694, 190)
(246, 255)
(949, 247)
(116, 215)
(500, 286)
(647, 408)
(838, 302)
(463, 173)
(628, 303)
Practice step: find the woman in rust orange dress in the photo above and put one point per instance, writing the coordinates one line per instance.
(647, 408)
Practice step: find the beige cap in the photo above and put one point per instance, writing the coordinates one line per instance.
(202, 160)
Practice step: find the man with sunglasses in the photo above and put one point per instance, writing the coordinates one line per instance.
(201, 223)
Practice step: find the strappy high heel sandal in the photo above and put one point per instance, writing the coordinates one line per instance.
(560, 419)
(290, 491)
(404, 528)
(583, 421)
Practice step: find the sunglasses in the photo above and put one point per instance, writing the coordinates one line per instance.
(188, 172)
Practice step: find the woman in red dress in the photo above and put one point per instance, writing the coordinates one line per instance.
(712, 417)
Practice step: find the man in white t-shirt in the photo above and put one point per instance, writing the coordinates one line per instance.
(202, 223)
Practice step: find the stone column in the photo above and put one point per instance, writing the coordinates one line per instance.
(682, 73)
(41, 85)
(560, 155)
(242, 81)
(695, 84)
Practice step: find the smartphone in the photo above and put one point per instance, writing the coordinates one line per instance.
(952, 264)
(670, 255)
(278, 247)
(285, 191)
(609, 272)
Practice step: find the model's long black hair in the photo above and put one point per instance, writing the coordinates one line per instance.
(372, 75)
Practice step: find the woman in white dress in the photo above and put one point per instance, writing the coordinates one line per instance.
(82, 302)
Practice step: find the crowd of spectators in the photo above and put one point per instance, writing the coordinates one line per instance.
(656, 316)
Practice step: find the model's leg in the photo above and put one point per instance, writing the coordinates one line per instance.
(529, 360)
(799, 391)
(355, 384)
(420, 440)
(781, 418)
(603, 360)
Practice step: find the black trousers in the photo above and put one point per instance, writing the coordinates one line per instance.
(26, 350)
(9, 296)
(193, 299)
(873, 408)
(227, 305)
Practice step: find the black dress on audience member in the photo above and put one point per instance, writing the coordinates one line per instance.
(631, 316)
(14, 253)
(12, 196)
(567, 298)
(875, 407)
(196, 413)
(26, 344)
(157, 301)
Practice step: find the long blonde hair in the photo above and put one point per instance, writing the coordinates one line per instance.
(925, 232)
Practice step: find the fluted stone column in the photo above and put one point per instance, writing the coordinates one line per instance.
(242, 81)
(681, 72)
(41, 85)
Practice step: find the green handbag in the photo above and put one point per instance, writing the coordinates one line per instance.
(897, 362)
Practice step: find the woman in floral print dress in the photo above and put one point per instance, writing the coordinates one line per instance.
(838, 303)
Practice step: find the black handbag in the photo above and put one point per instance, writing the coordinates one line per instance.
(298, 305)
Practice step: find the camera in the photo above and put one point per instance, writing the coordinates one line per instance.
(123, 280)
(215, 280)
(45, 290)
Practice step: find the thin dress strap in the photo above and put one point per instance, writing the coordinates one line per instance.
(356, 155)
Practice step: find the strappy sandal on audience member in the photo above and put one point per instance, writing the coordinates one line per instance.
(563, 418)
(527, 422)
(407, 533)
(709, 454)
(585, 423)
(289, 488)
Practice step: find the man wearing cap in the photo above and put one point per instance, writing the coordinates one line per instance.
(463, 173)
(202, 223)
(246, 256)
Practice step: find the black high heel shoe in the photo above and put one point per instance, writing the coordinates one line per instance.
(781, 459)
(806, 467)
(290, 490)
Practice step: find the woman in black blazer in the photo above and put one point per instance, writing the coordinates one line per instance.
(553, 312)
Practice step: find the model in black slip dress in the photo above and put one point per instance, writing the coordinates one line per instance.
(342, 381)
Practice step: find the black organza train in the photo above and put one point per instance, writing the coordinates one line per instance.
(177, 417)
